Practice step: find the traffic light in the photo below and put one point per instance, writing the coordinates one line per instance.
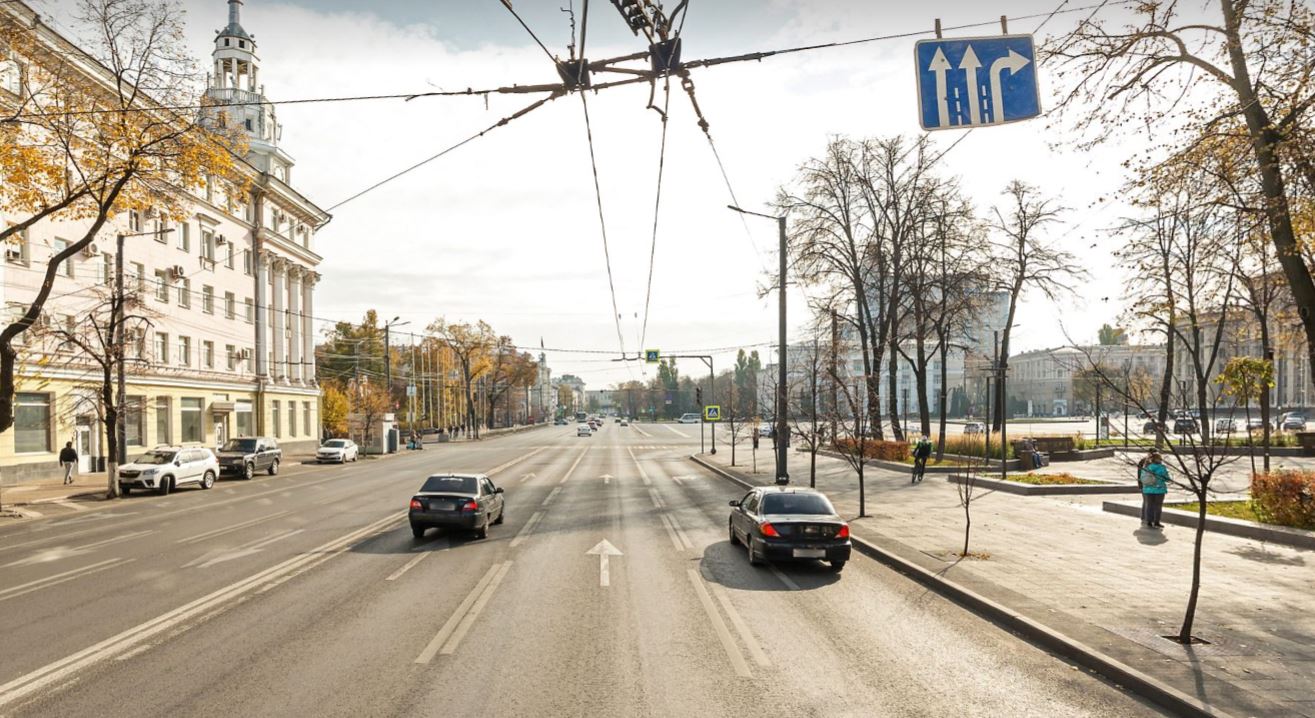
(698, 395)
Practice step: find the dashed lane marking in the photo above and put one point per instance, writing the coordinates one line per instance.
(741, 627)
(527, 529)
(643, 475)
(458, 624)
(719, 626)
(552, 495)
(789, 582)
(657, 500)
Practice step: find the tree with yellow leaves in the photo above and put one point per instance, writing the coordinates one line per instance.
(472, 347)
(93, 132)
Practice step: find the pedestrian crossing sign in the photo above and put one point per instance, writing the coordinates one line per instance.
(652, 356)
(712, 412)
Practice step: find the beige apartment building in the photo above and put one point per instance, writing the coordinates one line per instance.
(229, 293)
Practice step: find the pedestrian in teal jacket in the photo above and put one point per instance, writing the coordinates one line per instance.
(1154, 480)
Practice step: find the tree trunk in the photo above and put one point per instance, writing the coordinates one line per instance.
(1189, 617)
(110, 411)
(862, 497)
(967, 521)
(943, 400)
(1166, 388)
(892, 398)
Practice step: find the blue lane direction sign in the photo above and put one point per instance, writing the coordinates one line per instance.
(975, 81)
(652, 356)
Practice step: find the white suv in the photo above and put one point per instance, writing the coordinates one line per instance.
(165, 468)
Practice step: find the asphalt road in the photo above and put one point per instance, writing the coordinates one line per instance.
(305, 594)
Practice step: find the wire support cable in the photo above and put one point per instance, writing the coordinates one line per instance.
(512, 10)
(602, 222)
(657, 205)
(505, 120)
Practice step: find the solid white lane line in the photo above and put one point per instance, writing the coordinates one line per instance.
(719, 626)
(572, 469)
(642, 433)
(526, 529)
(58, 578)
(672, 429)
(513, 462)
(789, 582)
(462, 628)
(69, 505)
(675, 540)
(552, 495)
(741, 627)
(657, 500)
(409, 565)
(229, 529)
(643, 475)
(445, 632)
(684, 538)
(204, 607)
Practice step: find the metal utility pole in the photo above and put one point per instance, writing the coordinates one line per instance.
(782, 468)
(388, 362)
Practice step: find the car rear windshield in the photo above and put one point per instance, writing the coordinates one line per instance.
(796, 504)
(335, 443)
(156, 457)
(450, 484)
(240, 445)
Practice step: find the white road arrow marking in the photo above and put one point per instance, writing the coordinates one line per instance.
(939, 65)
(59, 553)
(250, 549)
(603, 551)
(528, 477)
(607, 478)
(1013, 62)
(970, 64)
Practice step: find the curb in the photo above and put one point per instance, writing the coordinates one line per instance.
(1162, 694)
(1022, 489)
(1296, 538)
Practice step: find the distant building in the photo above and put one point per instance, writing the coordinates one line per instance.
(1042, 382)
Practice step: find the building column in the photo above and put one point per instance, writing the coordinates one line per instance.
(294, 323)
(308, 281)
(280, 369)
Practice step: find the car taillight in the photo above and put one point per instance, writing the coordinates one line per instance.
(843, 532)
(470, 506)
(770, 530)
(415, 505)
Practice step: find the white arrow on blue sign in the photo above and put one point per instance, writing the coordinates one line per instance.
(975, 81)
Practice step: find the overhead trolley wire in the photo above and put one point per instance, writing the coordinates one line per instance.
(602, 222)
(657, 205)
(512, 10)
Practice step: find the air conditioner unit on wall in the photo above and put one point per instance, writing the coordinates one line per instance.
(244, 354)
(177, 271)
(90, 250)
(221, 240)
(14, 254)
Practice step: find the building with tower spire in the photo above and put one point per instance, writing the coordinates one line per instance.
(231, 285)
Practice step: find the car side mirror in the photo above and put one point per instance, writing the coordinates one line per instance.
(498, 490)
(736, 504)
(178, 462)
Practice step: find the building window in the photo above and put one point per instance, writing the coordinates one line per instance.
(11, 76)
(134, 419)
(139, 276)
(185, 293)
(184, 351)
(191, 415)
(66, 268)
(230, 305)
(19, 252)
(231, 352)
(162, 285)
(244, 415)
(247, 267)
(134, 220)
(208, 247)
(161, 348)
(249, 308)
(292, 418)
(31, 423)
(163, 420)
(228, 261)
(208, 299)
(305, 417)
(274, 414)
(185, 237)
(208, 354)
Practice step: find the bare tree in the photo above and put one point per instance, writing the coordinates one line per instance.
(1025, 261)
(804, 423)
(852, 441)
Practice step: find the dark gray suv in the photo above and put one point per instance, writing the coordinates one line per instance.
(245, 456)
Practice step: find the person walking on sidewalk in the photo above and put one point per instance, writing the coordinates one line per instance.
(1154, 479)
(921, 452)
(68, 458)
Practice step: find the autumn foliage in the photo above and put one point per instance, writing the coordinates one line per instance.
(875, 448)
(1285, 498)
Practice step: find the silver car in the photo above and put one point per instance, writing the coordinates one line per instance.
(337, 451)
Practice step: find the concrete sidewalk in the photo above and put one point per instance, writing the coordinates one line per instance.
(1101, 580)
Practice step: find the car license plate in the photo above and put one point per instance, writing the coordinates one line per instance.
(809, 553)
(442, 506)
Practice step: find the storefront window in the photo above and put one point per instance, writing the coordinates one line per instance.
(134, 420)
(163, 420)
(191, 414)
(32, 423)
(244, 415)
(292, 418)
(278, 428)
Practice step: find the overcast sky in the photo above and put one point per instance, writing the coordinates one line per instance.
(506, 229)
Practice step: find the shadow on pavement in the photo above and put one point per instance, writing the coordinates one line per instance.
(1251, 553)
(1150, 537)
(729, 566)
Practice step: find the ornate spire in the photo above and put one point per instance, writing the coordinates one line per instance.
(235, 20)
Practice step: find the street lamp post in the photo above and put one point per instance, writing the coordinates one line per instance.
(388, 361)
(782, 469)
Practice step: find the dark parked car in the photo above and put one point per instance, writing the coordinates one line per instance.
(244, 457)
(1293, 422)
(1185, 425)
(460, 501)
(789, 523)
(1154, 427)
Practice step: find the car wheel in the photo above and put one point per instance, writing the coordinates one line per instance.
(274, 468)
(248, 471)
(125, 490)
(417, 531)
(735, 540)
(754, 558)
(483, 531)
(163, 488)
(208, 480)
(502, 514)
(837, 566)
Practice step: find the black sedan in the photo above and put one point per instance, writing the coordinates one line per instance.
(456, 501)
(785, 523)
